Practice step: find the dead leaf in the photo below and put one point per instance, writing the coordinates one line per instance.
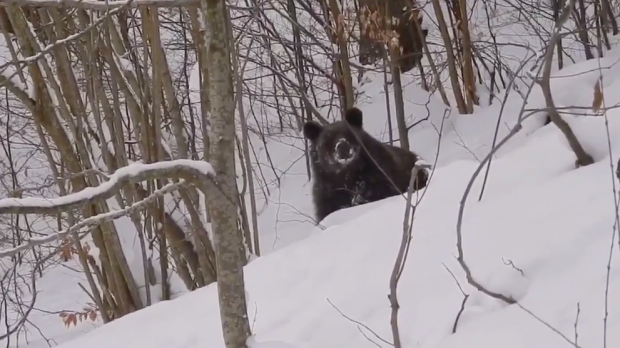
(597, 101)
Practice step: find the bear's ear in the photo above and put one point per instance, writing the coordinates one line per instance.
(312, 130)
(354, 116)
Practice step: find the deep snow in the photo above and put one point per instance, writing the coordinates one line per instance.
(555, 225)
(552, 222)
(542, 234)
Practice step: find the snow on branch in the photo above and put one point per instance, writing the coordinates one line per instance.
(92, 221)
(190, 171)
(136, 172)
(98, 5)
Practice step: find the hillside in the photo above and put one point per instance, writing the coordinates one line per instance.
(542, 234)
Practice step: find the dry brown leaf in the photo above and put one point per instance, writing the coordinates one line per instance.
(65, 253)
(68, 318)
(597, 101)
(89, 313)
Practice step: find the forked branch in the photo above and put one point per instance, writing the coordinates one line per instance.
(583, 158)
(197, 172)
(98, 5)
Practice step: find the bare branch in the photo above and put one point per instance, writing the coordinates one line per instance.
(93, 220)
(583, 158)
(191, 171)
(360, 324)
(574, 344)
(458, 315)
(186, 169)
(399, 264)
(100, 5)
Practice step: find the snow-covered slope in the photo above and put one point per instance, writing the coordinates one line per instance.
(555, 225)
(542, 234)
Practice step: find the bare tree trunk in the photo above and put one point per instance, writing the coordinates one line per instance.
(582, 31)
(228, 242)
(608, 14)
(399, 102)
(342, 66)
(583, 158)
(451, 59)
(469, 83)
(431, 63)
(557, 5)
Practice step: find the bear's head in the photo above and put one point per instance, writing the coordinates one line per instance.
(337, 145)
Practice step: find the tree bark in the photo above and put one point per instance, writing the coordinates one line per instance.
(228, 242)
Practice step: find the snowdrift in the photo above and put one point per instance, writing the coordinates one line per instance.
(542, 233)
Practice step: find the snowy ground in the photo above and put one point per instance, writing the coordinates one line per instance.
(542, 234)
(552, 222)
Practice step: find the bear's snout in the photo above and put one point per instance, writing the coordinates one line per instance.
(343, 150)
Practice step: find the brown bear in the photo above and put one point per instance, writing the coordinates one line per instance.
(345, 160)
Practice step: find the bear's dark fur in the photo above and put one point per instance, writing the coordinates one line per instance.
(345, 174)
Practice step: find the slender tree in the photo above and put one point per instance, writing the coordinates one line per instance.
(227, 237)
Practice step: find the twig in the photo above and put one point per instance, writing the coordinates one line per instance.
(87, 292)
(455, 280)
(359, 324)
(93, 220)
(577, 323)
(19, 191)
(98, 5)
(399, 264)
(511, 264)
(458, 316)
(465, 297)
(33, 276)
(198, 172)
(192, 171)
(608, 276)
(459, 223)
(574, 344)
(583, 158)
(70, 38)
(616, 226)
(499, 119)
